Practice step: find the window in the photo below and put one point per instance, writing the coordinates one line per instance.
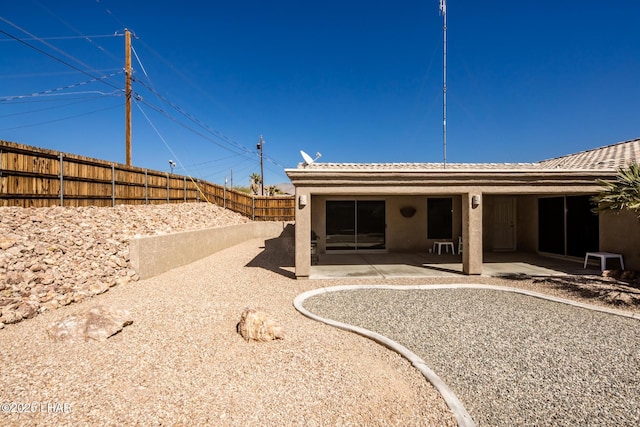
(566, 226)
(355, 224)
(440, 218)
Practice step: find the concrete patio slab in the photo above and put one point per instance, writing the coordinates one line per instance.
(416, 265)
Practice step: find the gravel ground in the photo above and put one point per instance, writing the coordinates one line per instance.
(181, 362)
(512, 359)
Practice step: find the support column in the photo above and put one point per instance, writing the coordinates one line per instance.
(303, 233)
(472, 233)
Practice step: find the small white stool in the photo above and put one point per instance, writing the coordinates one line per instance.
(603, 258)
(446, 245)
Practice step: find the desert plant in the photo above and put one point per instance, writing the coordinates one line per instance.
(256, 181)
(272, 190)
(621, 194)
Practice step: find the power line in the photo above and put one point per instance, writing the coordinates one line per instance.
(204, 126)
(59, 73)
(52, 108)
(64, 37)
(51, 91)
(55, 58)
(229, 144)
(195, 120)
(80, 34)
(61, 119)
(173, 119)
(42, 99)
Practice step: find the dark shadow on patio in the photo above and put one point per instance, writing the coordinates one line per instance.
(278, 254)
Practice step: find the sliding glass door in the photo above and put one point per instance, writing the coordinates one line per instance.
(355, 224)
(566, 225)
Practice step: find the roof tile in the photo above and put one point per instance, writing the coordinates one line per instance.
(610, 157)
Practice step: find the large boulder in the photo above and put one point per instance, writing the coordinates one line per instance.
(99, 323)
(257, 325)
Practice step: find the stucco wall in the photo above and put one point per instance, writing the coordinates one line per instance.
(620, 233)
(406, 234)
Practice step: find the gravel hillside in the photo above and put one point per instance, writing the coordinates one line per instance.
(51, 257)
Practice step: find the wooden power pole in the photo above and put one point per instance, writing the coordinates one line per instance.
(127, 94)
(260, 146)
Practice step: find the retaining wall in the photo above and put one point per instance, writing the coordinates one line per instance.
(152, 255)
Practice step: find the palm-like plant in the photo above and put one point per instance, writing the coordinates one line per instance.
(623, 193)
(256, 181)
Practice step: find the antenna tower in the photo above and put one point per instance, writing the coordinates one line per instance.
(443, 11)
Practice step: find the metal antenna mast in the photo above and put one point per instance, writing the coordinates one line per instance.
(443, 11)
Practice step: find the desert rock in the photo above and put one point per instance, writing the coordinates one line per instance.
(97, 324)
(257, 325)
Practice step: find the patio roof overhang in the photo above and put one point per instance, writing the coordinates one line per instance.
(324, 179)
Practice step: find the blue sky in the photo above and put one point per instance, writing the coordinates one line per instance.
(358, 81)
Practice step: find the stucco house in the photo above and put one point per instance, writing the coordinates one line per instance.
(542, 207)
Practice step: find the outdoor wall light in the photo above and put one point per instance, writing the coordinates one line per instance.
(475, 201)
(407, 211)
(302, 200)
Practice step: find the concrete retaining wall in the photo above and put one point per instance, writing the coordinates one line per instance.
(153, 255)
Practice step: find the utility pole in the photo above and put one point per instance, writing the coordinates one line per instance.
(127, 94)
(259, 147)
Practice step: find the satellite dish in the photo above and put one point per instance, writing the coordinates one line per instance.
(307, 158)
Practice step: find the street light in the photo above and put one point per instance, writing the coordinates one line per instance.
(172, 165)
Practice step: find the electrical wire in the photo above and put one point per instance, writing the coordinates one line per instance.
(80, 35)
(61, 119)
(52, 108)
(50, 55)
(51, 91)
(219, 135)
(41, 99)
(63, 38)
(173, 119)
(207, 128)
(244, 151)
(197, 121)
(62, 73)
(171, 151)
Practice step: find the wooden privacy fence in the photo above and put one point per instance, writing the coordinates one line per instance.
(37, 177)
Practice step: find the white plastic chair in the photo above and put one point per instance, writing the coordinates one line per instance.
(459, 245)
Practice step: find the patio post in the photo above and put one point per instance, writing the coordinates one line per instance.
(303, 233)
(472, 232)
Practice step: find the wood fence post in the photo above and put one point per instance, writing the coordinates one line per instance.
(168, 187)
(253, 208)
(185, 189)
(61, 179)
(198, 190)
(146, 188)
(113, 184)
